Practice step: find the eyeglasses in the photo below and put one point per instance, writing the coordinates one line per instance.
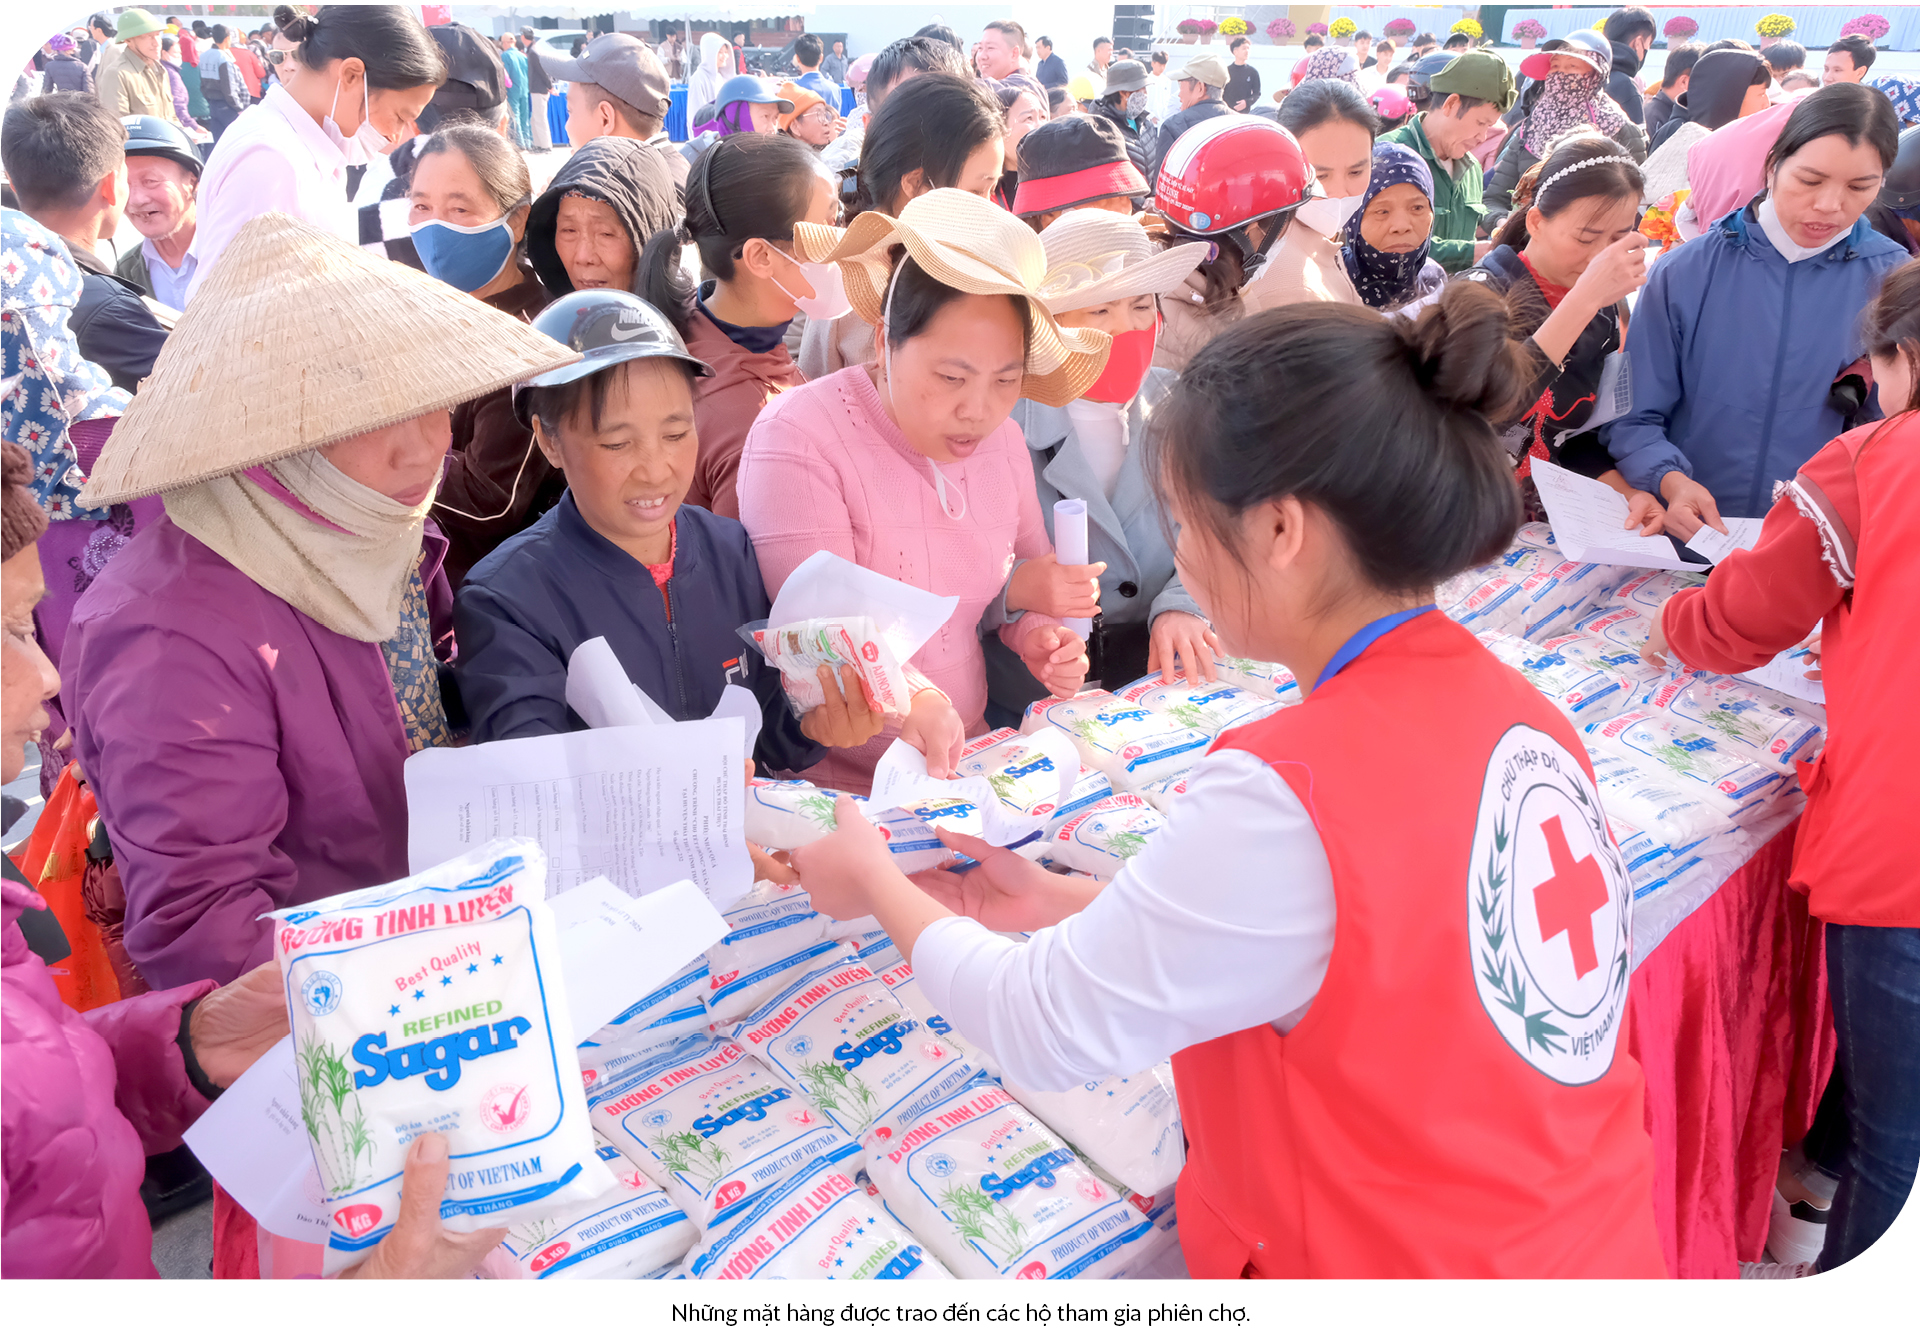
(818, 114)
(279, 56)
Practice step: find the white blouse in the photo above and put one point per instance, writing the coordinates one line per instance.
(273, 157)
(1225, 922)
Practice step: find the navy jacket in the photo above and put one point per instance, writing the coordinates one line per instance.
(1733, 354)
(525, 608)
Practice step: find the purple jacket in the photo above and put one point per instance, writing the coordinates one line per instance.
(245, 757)
(84, 1099)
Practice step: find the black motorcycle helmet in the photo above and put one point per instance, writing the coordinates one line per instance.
(1900, 189)
(152, 135)
(607, 327)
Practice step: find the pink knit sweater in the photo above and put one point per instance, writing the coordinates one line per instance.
(824, 468)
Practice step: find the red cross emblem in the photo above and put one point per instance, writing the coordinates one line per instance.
(1565, 902)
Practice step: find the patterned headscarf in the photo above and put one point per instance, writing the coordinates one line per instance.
(1571, 100)
(1331, 63)
(1387, 279)
(1903, 94)
(50, 387)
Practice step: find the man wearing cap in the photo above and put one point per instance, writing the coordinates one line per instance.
(616, 86)
(539, 86)
(1075, 163)
(1124, 103)
(1467, 97)
(131, 81)
(1202, 83)
(64, 156)
(163, 177)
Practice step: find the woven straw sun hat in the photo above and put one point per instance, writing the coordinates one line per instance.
(298, 339)
(1097, 256)
(968, 243)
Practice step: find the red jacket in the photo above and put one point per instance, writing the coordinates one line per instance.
(726, 406)
(1840, 546)
(1456, 1100)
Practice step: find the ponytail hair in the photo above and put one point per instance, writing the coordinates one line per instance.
(741, 187)
(1415, 479)
(390, 41)
(1597, 172)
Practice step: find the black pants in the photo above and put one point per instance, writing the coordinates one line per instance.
(219, 117)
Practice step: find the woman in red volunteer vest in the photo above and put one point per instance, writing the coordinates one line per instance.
(1384, 935)
(1841, 547)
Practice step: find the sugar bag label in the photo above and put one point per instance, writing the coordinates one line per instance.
(1210, 709)
(632, 1231)
(819, 1224)
(718, 1130)
(1101, 839)
(800, 649)
(1695, 752)
(997, 1195)
(847, 1041)
(1129, 744)
(435, 1003)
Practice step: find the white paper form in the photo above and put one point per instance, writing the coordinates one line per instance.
(642, 807)
(614, 950)
(1787, 673)
(599, 691)
(1742, 534)
(1590, 522)
(825, 587)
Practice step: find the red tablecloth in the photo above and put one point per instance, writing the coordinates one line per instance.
(1731, 1023)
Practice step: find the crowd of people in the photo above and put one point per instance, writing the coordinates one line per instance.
(366, 436)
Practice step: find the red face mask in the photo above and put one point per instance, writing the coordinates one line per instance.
(1128, 360)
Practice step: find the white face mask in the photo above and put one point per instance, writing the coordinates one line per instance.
(829, 290)
(365, 143)
(1328, 214)
(1769, 215)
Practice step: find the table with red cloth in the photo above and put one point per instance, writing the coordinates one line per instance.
(1730, 1021)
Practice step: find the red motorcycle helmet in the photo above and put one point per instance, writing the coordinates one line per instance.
(1229, 172)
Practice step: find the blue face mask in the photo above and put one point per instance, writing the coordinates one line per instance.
(464, 256)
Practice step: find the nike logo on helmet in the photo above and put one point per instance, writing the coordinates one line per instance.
(620, 331)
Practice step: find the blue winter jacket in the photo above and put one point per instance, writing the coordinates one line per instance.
(1733, 352)
(525, 608)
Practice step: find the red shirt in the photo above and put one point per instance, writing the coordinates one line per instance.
(251, 69)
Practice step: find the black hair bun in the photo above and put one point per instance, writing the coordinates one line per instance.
(1463, 353)
(294, 25)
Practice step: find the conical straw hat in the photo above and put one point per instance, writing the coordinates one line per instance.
(297, 339)
(971, 245)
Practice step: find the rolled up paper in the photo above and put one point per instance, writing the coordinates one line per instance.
(1070, 548)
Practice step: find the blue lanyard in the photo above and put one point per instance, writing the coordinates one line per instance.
(1365, 635)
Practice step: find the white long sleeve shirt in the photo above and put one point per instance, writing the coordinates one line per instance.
(273, 157)
(1225, 922)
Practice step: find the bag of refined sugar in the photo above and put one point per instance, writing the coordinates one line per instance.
(1497, 602)
(788, 813)
(818, 1224)
(1025, 772)
(1210, 709)
(717, 1129)
(1692, 751)
(1647, 593)
(1637, 677)
(1772, 729)
(1159, 1256)
(1578, 691)
(997, 1195)
(1129, 1126)
(631, 1232)
(875, 950)
(1091, 787)
(436, 1003)
(1537, 535)
(1130, 745)
(801, 648)
(1101, 839)
(847, 1041)
(1249, 674)
(1160, 794)
(1639, 796)
(900, 982)
(773, 938)
(1558, 595)
(670, 1012)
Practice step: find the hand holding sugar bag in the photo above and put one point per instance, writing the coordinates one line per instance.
(818, 1224)
(435, 1003)
(802, 648)
(997, 1195)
